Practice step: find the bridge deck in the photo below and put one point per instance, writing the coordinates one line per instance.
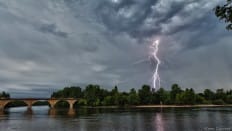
(39, 98)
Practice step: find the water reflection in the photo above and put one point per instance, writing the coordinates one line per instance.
(159, 122)
(2, 112)
(71, 112)
(38, 111)
(29, 112)
(45, 119)
(61, 112)
(52, 112)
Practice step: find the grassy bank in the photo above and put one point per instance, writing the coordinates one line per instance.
(159, 106)
(203, 105)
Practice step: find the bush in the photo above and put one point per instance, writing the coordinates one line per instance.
(207, 102)
(82, 102)
(229, 99)
(218, 102)
(108, 101)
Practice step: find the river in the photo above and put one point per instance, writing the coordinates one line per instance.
(134, 119)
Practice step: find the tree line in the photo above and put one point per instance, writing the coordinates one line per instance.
(4, 95)
(94, 95)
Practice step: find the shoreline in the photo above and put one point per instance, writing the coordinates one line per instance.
(183, 106)
(158, 106)
(144, 106)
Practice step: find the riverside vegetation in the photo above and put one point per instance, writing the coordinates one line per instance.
(94, 95)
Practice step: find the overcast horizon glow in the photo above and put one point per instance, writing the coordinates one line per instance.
(48, 44)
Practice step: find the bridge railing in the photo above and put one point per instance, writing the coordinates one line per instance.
(39, 98)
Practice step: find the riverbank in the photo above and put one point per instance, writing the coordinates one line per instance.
(143, 106)
(158, 106)
(167, 106)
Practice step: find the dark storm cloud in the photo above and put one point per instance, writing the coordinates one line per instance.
(133, 16)
(46, 45)
(53, 29)
(125, 16)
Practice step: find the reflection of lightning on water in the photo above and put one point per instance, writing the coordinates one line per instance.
(156, 78)
(159, 122)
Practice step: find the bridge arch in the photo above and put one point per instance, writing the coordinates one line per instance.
(9, 102)
(64, 103)
(26, 102)
(30, 101)
(53, 102)
(39, 102)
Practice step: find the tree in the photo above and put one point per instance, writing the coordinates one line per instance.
(163, 96)
(68, 92)
(115, 95)
(108, 101)
(200, 99)
(90, 94)
(133, 98)
(218, 102)
(4, 95)
(114, 91)
(145, 94)
(209, 95)
(82, 102)
(174, 91)
(93, 95)
(229, 99)
(122, 99)
(224, 12)
(102, 93)
(220, 94)
(186, 97)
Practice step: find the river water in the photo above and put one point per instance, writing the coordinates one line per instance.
(153, 119)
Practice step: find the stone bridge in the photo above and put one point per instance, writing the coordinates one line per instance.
(30, 101)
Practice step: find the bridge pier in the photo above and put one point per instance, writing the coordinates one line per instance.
(29, 103)
(71, 103)
(52, 103)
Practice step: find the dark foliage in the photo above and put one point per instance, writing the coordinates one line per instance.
(4, 95)
(224, 12)
(94, 95)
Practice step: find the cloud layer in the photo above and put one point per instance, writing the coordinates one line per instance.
(46, 45)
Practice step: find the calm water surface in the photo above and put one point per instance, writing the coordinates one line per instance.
(157, 119)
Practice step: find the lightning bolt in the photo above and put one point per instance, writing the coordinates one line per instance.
(155, 49)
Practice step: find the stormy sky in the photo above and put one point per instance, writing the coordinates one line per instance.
(48, 44)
